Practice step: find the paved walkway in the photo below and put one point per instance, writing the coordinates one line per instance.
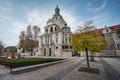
(40, 74)
(112, 67)
(77, 75)
(66, 71)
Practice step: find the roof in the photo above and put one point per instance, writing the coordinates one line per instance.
(10, 47)
(65, 27)
(112, 28)
(100, 31)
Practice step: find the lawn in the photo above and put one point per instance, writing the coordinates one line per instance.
(20, 62)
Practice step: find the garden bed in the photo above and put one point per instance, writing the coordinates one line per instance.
(21, 62)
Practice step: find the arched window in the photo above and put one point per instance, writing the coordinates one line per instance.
(46, 30)
(51, 29)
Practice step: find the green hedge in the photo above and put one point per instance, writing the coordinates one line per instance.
(20, 62)
(2, 59)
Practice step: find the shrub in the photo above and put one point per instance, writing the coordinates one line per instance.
(20, 62)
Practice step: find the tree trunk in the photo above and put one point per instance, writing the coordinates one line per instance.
(92, 57)
(87, 58)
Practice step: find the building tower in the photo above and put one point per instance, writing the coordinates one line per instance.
(55, 41)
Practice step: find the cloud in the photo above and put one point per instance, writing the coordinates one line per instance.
(72, 20)
(18, 27)
(98, 18)
(40, 17)
(91, 7)
(4, 13)
(4, 18)
(6, 8)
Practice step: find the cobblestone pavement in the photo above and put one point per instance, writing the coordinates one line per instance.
(112, 68)
(40, 74)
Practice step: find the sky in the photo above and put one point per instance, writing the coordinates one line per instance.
(16, 15)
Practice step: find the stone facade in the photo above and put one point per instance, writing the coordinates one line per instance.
(55, 41)
(108, 34)
(113, 46)
(112, 38)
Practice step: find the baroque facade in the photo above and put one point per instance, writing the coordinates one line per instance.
(112, 37)
(55, 41)
(113, 41)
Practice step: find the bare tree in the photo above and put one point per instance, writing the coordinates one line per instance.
(1, 47)
(36, 30)
(28, 39)
(22, 35)
(29, 32)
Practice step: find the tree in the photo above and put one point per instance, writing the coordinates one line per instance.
(88, 39)
(22, 41)
(28, 39)
(36, 31)
(1, 47)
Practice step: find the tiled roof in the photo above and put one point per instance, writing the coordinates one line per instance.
(112, 28)
(100, 31)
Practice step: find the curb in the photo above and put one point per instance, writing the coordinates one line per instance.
(33, 67)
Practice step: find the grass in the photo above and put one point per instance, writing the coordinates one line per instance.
(21, 62)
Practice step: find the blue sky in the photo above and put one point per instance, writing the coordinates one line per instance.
(16, 15)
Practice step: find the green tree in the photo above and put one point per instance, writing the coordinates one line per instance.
(88, 39)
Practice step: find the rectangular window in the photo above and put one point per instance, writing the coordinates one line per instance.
(56, 38)
(66, 41)
(41, 40)
(51, 39)
(48, 39)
